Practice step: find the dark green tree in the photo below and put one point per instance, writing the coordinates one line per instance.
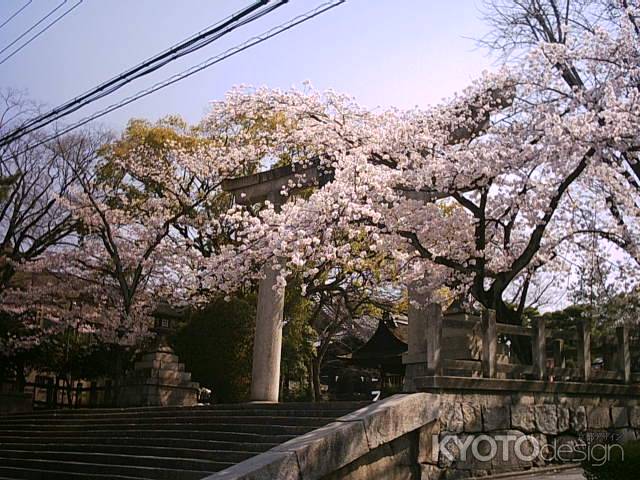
(216, 345)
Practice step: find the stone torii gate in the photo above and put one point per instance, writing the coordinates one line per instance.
(424, 317)
(267, 346)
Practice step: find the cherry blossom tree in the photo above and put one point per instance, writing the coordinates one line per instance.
(137, 211)
(483, 193)
(595, 55)
(480, 193)
(134, 214)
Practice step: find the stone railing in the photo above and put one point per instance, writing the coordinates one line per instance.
(543, 367)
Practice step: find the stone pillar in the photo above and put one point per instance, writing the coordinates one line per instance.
(434, 338)
(624, 355)
(489, 344)
(584, 349)
(415, 359)
(267, 343)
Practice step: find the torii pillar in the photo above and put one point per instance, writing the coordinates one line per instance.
(267, 342)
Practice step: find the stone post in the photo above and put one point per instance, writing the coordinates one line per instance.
(540, 349)
(584, 349)
(624, 356)
(559, 360)
(267, 343)
(415, 359)
(420, 318)
(434, 338)
(489, 344)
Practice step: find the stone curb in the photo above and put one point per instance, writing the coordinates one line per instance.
(318, 453)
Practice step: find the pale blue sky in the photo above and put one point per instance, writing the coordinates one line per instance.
(384, 52)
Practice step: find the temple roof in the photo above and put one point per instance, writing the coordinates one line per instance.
(388, 341)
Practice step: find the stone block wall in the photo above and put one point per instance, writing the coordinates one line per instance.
(558, 424)
(399, 438)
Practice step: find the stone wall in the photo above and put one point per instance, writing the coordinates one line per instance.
(557, 423)
(401, 437)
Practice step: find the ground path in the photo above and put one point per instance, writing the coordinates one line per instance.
(571, 473)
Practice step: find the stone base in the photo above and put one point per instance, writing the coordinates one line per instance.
(411, 372)
(158, 379)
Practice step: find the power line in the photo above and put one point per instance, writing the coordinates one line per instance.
(51, 24)
(142, 68)
(16, 13)
(33, 26)
(201, 39)
(195, 69)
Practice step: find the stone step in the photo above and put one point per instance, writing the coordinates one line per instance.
(141, 380)
(166, 375)
(161, 442)
(160, 356)
(232, 456)
(14, 473)
(186, 412)
(112, 459)
(91, 469)
(189, 427)
(187, 420)
(293, 406)
(228, 436)
(158, 364)
(175, 443)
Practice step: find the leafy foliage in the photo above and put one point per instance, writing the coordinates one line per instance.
(216, 346)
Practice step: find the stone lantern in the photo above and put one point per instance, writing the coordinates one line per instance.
(159, 379)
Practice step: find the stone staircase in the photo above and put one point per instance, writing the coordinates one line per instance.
(168, 443)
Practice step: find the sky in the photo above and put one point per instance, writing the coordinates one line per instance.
(400, 53)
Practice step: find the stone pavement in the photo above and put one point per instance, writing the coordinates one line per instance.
(549, 474)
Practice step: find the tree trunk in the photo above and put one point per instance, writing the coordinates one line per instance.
(69, 385)
(521, 346)
(21, 379)
(310, 380)
(284, 391)
(316, 363)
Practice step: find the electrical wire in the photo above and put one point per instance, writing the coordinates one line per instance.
(195, 69)
(16, 13)
(146, 67)
(118, 81)
(51, 24)
(176, 56)
(33, 26)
